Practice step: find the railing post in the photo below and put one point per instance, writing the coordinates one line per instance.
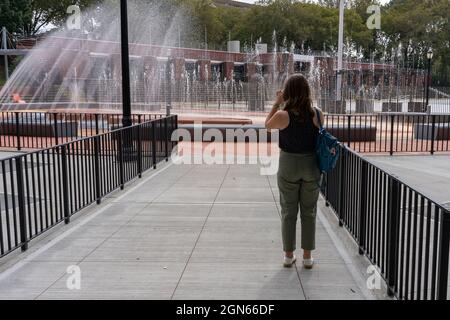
(391, 150)
(154, 143)
(349, 130)
(343, 178)
(325, 190)
(96, 124)
(166, 138)
(363, 209)
(65, 184)
(121, 164)
(433, 133)
(139, 148)
(175, 127)
(443, 260)
(394, 196)
(98, 189)
(21, 200)
(55, 123)
(18, 131)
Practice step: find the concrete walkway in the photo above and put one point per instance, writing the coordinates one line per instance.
(8, 154)
(186, 232)
(427, 174)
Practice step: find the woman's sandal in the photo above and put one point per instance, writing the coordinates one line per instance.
(308, 263)
(289, 262)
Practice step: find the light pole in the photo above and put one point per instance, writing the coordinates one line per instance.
(128, 150)
(169, 82)
(5, 47)
(126, 95)
(340, 51)
(430, 58)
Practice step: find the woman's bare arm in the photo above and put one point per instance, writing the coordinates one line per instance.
(272, 112)
(322, 118)
(277, 119)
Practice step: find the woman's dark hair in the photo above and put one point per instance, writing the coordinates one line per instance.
(297, 95)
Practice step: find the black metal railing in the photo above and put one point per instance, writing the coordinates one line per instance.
(376, 133)
(43, 188)
(392, 132)
(401, 231)
(38, 130)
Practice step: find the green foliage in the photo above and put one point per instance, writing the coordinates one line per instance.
(418, 25)
(30, 17)
(15, 14)
(412, 25)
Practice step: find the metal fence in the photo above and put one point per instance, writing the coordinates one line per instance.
(376, 133)
(392, 133)
(38, 130)
(401, 231)
(43, 188)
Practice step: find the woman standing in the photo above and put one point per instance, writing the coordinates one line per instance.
(298, 174)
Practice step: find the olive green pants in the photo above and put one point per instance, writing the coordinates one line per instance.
(298, 182)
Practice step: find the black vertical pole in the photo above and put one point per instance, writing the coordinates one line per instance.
(166, 138)
(139, 149)
(169, 86)
(18, 131)
(154, 142)
(126, 104)
(96, 125)
(442, 281)
(98, 187)
(394, 200)
(363, 210)
(55, 129)
(21, 200)
(433, 133)
(121, 164)
(391, 147)
(4, 33)
(349, 131)
(342, 193)
(65, 186)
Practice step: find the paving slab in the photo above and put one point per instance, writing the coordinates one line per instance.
(190, 232)
(248, 281)
(121, 280)
(33, 279)
(188, 195)
(245, 195)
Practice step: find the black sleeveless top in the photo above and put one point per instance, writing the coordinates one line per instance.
(300, 136)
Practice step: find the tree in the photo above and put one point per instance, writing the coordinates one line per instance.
(46, 12)
(329, 3)
(412, 25)
(15, 14)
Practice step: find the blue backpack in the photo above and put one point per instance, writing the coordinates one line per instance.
(325, 144)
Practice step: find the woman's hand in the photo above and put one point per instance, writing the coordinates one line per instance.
(280, 98)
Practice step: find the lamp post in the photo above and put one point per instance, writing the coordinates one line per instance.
(129, 152)
(5, 47)
(340, 51)
(169, 82)
(126, 95)
(430, 58)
